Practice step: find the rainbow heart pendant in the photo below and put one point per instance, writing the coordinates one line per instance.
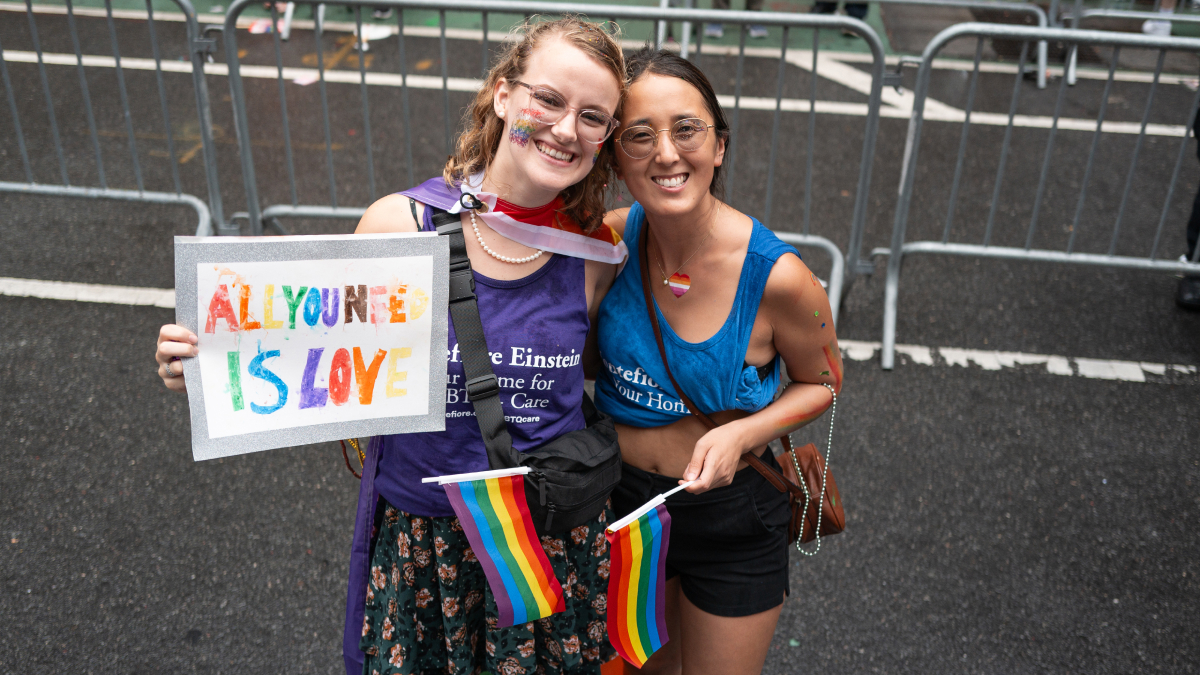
(679, 283)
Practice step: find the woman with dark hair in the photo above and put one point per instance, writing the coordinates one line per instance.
(535, 151)
(732, 302)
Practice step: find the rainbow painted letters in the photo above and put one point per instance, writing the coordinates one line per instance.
(285, 345)
(312, 305)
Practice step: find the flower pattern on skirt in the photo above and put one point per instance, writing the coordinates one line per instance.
(429, 608)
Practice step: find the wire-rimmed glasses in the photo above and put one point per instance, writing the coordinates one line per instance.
(687, 134)
(548, 107)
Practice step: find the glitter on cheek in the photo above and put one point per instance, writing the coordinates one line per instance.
(524, 126)
(822, 325)
(816, 313)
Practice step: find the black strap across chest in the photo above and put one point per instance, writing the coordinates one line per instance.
(483, 389)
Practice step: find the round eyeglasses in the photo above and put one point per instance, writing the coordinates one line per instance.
(547, 106)
(687, 135)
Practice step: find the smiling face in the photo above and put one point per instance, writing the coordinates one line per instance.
(669, 181)
(535, 161)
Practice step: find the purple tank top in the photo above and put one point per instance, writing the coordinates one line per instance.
(535, 329)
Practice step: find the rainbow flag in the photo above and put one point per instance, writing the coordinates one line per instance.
(491, 508)
(637, 581)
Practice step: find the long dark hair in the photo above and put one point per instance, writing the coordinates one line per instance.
(670, 64)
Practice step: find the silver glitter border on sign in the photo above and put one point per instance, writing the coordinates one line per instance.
(190, 251)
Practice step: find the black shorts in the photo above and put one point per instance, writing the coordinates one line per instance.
(728, 545)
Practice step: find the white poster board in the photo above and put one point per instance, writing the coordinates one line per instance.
(307, 339)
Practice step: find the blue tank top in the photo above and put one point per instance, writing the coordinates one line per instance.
(633, 386)
(535, 329)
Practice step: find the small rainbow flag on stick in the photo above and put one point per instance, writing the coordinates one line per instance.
(637, 626)
(491, 508)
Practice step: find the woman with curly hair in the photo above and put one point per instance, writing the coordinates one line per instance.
(536, 151)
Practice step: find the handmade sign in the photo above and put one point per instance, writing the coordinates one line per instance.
(310, 339)
(637, 625)
(494, 515)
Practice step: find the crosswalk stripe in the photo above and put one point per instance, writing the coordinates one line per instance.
(896, 105)
(63, 290)
(1096, 369)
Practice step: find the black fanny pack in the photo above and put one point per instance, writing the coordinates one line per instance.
(572, 476)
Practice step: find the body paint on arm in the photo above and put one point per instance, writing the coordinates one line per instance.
(833, 357)
(792, 422)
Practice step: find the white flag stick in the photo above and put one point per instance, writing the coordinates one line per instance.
(670, 492)
(645, 508)
(477, 475)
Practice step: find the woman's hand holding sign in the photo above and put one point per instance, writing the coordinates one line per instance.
(174, 342)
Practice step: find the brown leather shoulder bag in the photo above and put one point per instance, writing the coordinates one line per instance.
(811, 518)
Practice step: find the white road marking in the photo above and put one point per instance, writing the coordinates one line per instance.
(1011, 68)
(895, 105)
(62, 290)
(1110, 370)
(1057, 365)
(855, 350)
(258, 72)
(1100, 369)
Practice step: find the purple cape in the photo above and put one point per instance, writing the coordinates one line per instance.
(435, 193)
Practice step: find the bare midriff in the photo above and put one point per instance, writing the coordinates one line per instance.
(667, 450)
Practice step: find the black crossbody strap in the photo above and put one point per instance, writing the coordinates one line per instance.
(483, 389)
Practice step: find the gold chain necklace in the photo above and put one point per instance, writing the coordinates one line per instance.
(683, 281)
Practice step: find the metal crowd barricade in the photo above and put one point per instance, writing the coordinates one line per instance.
(844, 265)
(1079, 15)
(198, 46)
(1016, 7)
(1150, 255)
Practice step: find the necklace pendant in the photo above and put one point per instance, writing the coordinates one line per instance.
(680, 283)
(664, 282)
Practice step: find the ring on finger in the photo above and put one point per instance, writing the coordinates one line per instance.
(170, 373)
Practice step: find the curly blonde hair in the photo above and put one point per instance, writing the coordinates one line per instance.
(483, 129)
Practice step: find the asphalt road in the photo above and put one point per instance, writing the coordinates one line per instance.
(999, 521)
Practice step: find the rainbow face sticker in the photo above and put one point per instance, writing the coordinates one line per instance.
(596, 154)
(524, 126)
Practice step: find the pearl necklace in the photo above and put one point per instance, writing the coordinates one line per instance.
(497, 256)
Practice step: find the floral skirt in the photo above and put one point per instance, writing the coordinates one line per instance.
(429, 608)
